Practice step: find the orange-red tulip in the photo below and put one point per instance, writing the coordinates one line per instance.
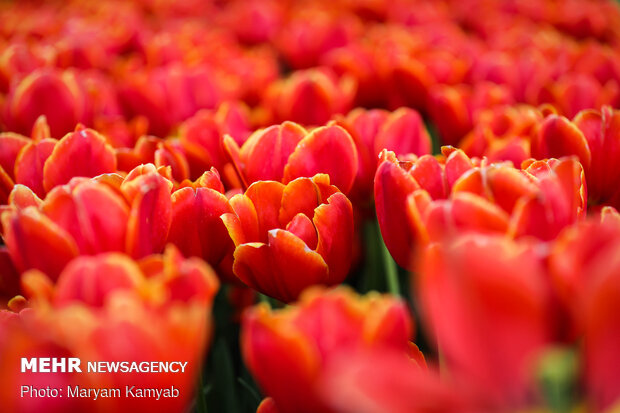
(289, 237)
(196, 228)
(401, 131)
(454, 109)
(53, 93)
(287, 151)
(110, 308)
(88, 216)
(455, 194)
(201, 138)
(310, 97)
(289, 350)
(81, 153)
(487, 304)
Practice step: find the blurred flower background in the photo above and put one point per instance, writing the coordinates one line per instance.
(322, 206)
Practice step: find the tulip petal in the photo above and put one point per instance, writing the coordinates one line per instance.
(271, 356)
(329, 150)
(508, 185)
(560, 137)
(90, 280)
(404, 133)
(30, 164)
(6, 186)
(94, 215)
(299, 196)
(282, 269)
(267, 199)
(243, 224)
(456, 165)
(266, 152)
(334, 225)
(21, 197)
(392, 187)
(81, 153)
(35, 241)
(301, 226)
(196, 228)
(429, 175)
(10, 146)
(472, 212)
(150, 215)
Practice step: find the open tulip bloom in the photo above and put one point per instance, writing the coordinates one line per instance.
(321, 206)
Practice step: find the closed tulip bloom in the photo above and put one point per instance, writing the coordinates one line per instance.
(401, 131)
(53, 93)
(288, 151)
(488, 306)
(289, 237)
(289, 350)
(81, 153)
(310, 97)
(196, 228)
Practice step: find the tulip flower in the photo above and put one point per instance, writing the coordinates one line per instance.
(310, 97)
(601, 332)
(488, 306)
(447, 196)
(52, 93)
(289, 237)
(401, 131)
(311, 32)
(287, 151)
(96, 306)
(88, 216)
(592, 136)
(388, 382)
(288, 350)
(454, 109)
(196, 228)
(504, 133)
(201, 138)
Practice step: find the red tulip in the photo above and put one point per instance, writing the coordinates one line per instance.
(55, 94)
(394, 183)
(504, 133)
(488, 307)
(311, 32)
(168, 95)
(401, 131)
(580, 253)
(80, 153)
(288, 351)
(455, 109)
(196, 228)
(29, 167)
(107, 308)
(287, 151)
(35, 241)
(389, 382)
(10, 144)
(148, 194)
(201, 138)
(88, 216)
(447, 196)
(310, 97)
(601, 331)
(289, 237)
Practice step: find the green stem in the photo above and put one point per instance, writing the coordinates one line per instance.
(389, 266)
(201, 402)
